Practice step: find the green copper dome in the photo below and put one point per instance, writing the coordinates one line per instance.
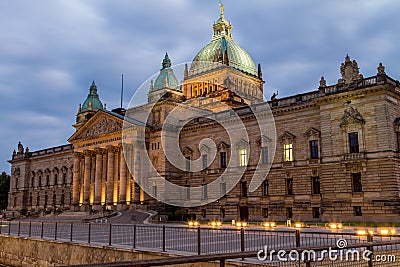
(166, 78)
(222, 49)
(92, 101)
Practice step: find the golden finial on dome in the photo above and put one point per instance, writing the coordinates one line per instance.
(222, 8)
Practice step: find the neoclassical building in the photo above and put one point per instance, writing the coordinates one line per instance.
(334, 154)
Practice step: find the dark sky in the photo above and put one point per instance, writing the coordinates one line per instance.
(50, 51)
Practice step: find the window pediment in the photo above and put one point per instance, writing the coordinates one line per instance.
(351, 116)
(264, 140)
(312, 132)
(286, 136)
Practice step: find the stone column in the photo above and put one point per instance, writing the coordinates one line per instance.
(122, 180)
(110, 175)
(104, 178)
(129, 174)
(98, 176)
(76, 179)
(116, 175)
(86, 178)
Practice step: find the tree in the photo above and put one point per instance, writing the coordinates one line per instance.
(4, 187)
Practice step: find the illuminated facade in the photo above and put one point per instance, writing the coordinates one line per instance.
(336, 158)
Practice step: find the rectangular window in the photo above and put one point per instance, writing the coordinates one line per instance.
(353, 142)
(316, 185)
(203, 213)
(265, 188)
(205, 161)
(154, 190)
(243, 157)
(223, 159)
(289, 186)
(288, 152)
(357, 211)
(223, 189)
(289, 212)
(187, 192)
(315, 213)
(264, 155)
(222, 213)
(188, 164)
(314, 149)
(265, 212)
(205, 191)
(356, 179)
(243, 189)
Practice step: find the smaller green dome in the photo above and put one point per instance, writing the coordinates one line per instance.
(166, 78)
(92, 101)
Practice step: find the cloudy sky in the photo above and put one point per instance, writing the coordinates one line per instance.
(50, 51)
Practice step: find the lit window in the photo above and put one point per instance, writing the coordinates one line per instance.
(264, 155)
(288, 152)
(243, 157)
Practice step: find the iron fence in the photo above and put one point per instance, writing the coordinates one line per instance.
(180, 239)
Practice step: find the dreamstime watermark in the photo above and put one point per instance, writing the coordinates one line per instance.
(340, 253)
(160, 113)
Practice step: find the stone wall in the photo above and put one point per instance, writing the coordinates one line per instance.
(18, 251)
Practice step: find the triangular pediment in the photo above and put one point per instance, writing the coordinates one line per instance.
(287, 136)
(351, 116)
(312, 132)
(100, 124)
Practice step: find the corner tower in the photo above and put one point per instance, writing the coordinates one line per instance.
(224, 71)
(89, 107)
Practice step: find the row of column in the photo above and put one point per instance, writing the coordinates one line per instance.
(101, 176)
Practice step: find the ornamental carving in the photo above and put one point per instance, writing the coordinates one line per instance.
(351, 116)
(350, 71)
(104, 126)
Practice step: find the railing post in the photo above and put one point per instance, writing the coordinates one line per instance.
(163, 238)
(134, 236)
(198, 240)
(19, 228)
(222, 263)
(41, 232)
(297, 238)
(30, 229)
(242, 239)
(1, 225)
(370, 238)
(89, 232)
(71, 231)
(9, 227)
(110, 235)
(55, 231)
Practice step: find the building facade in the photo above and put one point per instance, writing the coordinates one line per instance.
(334, 156)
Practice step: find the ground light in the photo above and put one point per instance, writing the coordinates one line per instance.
(335, 226)
(193, 223)
(268, 224)
(386, 231)
(215, 223)
(298, 225)
(242, 224)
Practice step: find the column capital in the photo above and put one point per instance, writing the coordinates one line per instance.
(113, 149)
(99, 150)
(88, 153)
(78, 154)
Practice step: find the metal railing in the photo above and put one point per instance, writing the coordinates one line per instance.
(179, 239)
(382, 254)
